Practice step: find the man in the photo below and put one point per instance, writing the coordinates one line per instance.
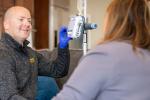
(19, 64)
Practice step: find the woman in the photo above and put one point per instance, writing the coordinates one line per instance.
(119, 67)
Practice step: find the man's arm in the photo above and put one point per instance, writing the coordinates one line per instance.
(8, 82)
(60, 66)
(57, 67)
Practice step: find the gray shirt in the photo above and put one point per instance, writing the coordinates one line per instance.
(111, 71)
(20, 66)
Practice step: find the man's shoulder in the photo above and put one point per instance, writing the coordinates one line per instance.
(4, 47)
(5, 53)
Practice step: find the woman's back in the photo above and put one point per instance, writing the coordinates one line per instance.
(126, 73)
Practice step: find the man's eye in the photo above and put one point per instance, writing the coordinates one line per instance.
(21, 19)
(29, 21)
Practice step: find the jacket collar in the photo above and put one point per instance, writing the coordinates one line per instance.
(6, 38)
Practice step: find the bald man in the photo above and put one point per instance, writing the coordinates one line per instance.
(19, 64)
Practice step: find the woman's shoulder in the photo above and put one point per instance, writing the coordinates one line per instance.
(112, 47)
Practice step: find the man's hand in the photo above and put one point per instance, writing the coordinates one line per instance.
(63, 38)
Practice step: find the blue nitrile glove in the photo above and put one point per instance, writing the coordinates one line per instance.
(63, 38)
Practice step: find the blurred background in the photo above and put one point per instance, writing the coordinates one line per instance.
(49, 15)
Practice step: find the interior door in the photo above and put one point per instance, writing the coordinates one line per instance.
(41, 16)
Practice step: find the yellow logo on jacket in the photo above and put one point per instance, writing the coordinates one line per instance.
(32, 60)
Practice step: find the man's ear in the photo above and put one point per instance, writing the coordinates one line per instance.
(6, 25)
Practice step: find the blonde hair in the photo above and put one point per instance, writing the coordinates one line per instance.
(129, 20)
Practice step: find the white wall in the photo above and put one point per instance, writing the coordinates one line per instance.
(96, 10)
(30, 39)
(59, 12)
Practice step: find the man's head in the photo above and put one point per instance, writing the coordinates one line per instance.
(17, 23)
